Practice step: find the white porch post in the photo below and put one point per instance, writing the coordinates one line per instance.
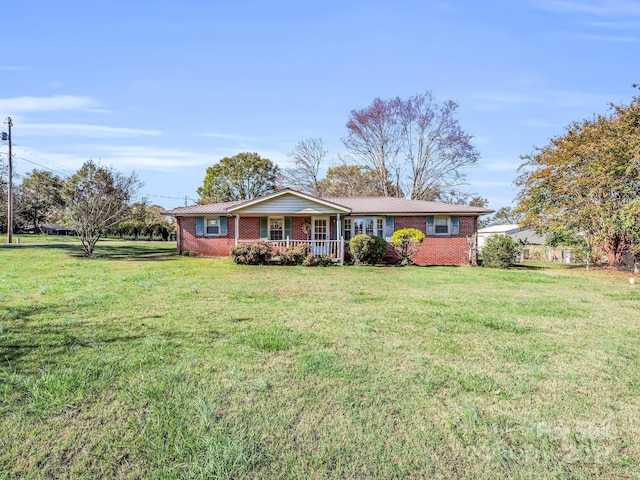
(237, 231)
(338, 238)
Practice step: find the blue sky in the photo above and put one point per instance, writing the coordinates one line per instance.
(167, 88)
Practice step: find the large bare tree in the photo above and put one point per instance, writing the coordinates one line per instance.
(434, 146)
(374, 138)
(96, 199)
(415, 145)
(308, 156)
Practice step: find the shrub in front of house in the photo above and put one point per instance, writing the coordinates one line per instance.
(320, 260)
(499, 251)
(367, 250)
(295, 255)
(257, 253)
(324, 260)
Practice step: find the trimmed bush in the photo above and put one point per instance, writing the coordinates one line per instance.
(499, 251)
(310, 261)
(405, 242)
(295, 255)
(366, 250)
(324, 260)
(257, 253)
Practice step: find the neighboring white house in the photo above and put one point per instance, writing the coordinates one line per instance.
(529, 236)
(486, 232)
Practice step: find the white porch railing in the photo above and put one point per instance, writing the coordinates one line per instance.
(333, 248)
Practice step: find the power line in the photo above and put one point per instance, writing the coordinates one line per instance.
(172, 198)
(38, 157)
(65, 175)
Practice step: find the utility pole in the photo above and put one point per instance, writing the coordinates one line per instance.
(10, 183)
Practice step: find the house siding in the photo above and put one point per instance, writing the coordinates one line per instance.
(434, 250)
(287, 205)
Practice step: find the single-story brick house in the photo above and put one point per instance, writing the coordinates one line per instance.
(289, 217)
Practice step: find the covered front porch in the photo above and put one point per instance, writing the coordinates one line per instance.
(321, 233)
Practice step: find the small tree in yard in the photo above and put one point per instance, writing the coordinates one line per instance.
(499, 251)
(96, 198)
(406, 243)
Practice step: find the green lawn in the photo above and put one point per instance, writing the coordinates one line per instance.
(142, 364)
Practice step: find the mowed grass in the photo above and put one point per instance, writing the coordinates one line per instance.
(142, 364)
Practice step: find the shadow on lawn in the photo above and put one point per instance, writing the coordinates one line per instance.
(127, 251)
(520, 266)
(116, 250)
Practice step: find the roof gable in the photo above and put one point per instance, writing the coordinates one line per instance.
(288, 201)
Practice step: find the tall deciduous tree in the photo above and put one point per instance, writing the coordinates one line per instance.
(243, 176)
(433, 144)
(588, 181)
(96, 198)
(416, 145)
(41, 197)
(373, 139)
(308, 156)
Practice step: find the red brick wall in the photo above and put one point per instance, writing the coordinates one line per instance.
(249, 227)
(435, 250)
(221, 246)
(207, 246)
(297, 232)
(467, 224)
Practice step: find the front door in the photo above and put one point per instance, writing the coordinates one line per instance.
(320, 235)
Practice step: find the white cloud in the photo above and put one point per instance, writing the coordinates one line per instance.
(123, 158)
(505, 165)
(614, 25)
(10, 68)
(598, 7)
(228, 136)
(152, 158)
(609, 38)
(81, 130)
(44, 104)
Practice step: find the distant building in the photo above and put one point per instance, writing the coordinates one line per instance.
(484, 233)
(48, 229)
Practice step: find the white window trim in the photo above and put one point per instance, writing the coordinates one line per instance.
(206, 234)
(435, 226)
(269, 228)
(313, 228)
(364, 230)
